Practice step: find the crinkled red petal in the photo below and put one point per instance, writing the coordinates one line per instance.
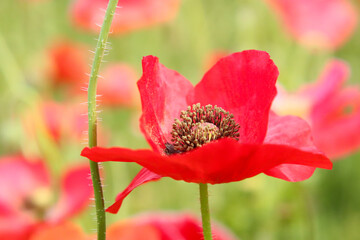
(142, 177)
(291, 172)
(163, 96)
(296, 133)
(220, 161)
(244, 84)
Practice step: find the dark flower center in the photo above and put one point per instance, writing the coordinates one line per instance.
(199, 125)
(38, 202)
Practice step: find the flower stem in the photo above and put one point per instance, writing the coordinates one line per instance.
(92, 117)
(205, 212)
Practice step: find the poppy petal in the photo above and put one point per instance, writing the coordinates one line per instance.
(75, 193)
(220, 161)
(291, 172)
(142, 177)
(318, 23)
(163, 95)
(244, 84)
(296, 133)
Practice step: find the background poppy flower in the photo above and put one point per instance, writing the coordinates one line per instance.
(117, 86)
(332, 110)
(319, 24)
(67, 230)
(60, 120)
(68, 63)
(241, 83)
(130, 15)
(27, 198)
(149, 226)
(163, 226)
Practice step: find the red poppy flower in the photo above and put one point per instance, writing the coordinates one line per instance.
(321, 24)
(130, 15)
(225, 132)
(333, 111)
(26, 196)
(163, 226)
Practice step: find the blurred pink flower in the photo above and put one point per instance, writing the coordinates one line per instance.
(150, 226)
(130, 15)
(332, 110)
(319, 24)
(27, 196)
(117, 86)
(163, 226)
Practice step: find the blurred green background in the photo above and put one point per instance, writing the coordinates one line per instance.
(327, 206)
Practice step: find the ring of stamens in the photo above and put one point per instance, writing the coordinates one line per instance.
(199, 125)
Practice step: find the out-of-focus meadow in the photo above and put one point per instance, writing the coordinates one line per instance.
(44, 56)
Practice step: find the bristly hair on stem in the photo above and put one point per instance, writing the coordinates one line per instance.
(92, 117)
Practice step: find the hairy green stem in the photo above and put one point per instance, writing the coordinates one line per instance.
(205, 212)
(92, 117)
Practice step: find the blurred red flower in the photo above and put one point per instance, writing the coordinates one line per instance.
(27, 196)
(154, 226)
(68, 63)
(249, 139)
(66, 230)
(332, 110)
(61, 121)
(131, 15)
(319, 24)
(213, 57)
(69, 67)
